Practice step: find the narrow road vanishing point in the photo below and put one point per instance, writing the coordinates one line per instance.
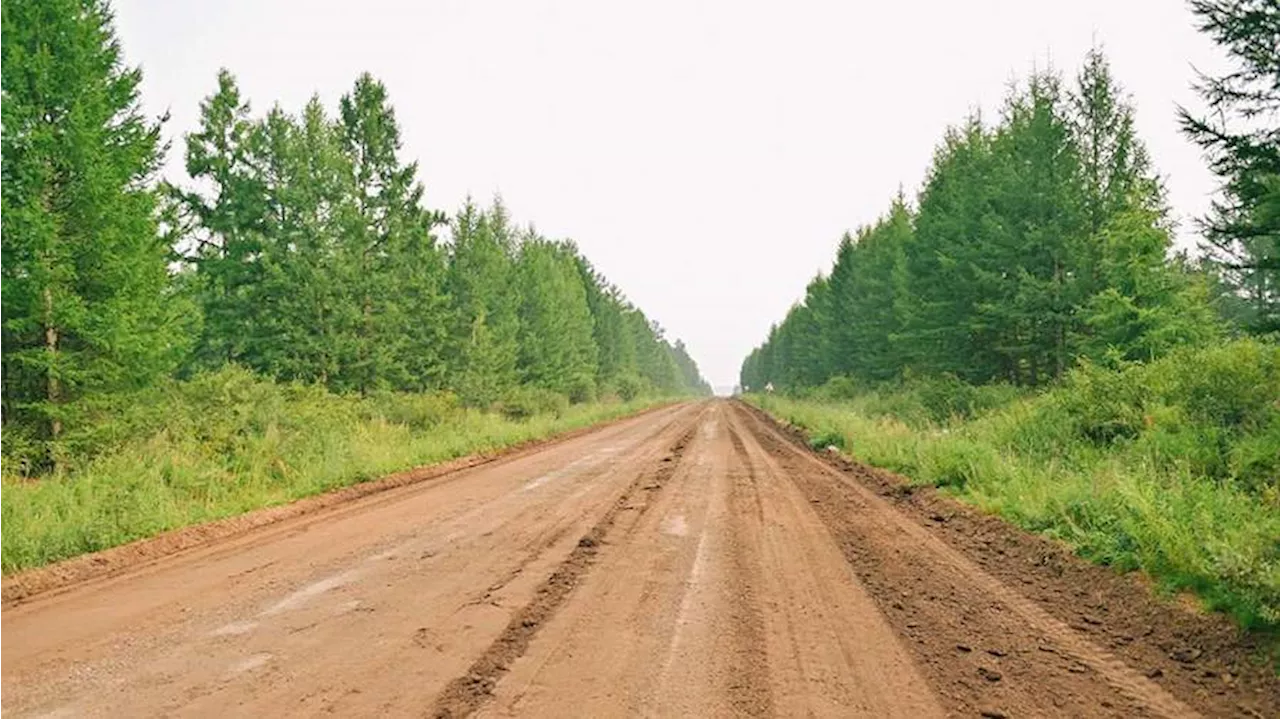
(688, 562)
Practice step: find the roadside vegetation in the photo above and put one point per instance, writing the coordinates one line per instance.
(228, 441)
(1024, 336)
(292, 316)
(1168, 467)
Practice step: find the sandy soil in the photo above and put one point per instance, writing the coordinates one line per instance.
(693, 561)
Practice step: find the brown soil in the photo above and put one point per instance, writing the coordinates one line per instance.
(694, 561)
(466, 693)
(1203, 659)
(24, 585)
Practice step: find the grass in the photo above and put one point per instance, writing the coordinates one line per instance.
(229, 442)
(1171, 468)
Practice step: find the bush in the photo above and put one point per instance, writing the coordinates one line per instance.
(415, 411)
(1236, 385)
(1255, 462)
(1104, 405)
(838, 389)
(946, 397)
(582, 389)
(23, 451)
(629, 386)
(822, 439)
(525, 402)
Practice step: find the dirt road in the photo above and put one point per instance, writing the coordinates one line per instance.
(689, 562)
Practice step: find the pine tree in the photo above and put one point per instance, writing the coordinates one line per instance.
(86, 307)
(1147, 306)
(1036, 240)
(1241, 137)
(226, 223)
(1115, 167)
(484, 334)
(317, 291)
(955, 227)
(1039, 221)
(403, 310)
(557, 347)
(879, 297)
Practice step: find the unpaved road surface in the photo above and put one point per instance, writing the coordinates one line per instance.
(693, 562)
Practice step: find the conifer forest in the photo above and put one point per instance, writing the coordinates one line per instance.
(290, 427)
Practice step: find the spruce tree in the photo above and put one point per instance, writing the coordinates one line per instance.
(484, 343)
(1241, 138)
(86, 307)
(401, 333)
(557, 346)
(225, 216)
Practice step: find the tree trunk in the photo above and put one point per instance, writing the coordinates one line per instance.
(4, 371)
(53, 390)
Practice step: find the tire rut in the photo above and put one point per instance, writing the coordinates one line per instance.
(467, 693)
(751, 692)
(985, 647)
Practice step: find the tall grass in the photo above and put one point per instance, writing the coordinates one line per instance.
(1172, 467)
(229, 442)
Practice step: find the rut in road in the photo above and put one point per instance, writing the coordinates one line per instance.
(693, 561)
(466, 693)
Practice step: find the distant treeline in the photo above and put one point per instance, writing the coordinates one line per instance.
(303, 250)
(1044, 237)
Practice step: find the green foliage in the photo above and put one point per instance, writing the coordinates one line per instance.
(87, 308)
(1103, 405)
(1169, 467)
(314, 259)
(823, 440)
(527, 401)
(1037, 239)
(482, 361)
(1235, 385)
(1241, 139)
(228, 441)
(946, 396)
(557, 349)
(285, 323)
(838, 388)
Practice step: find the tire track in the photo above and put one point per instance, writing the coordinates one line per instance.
(987, 648)
(751, 693)
(468, 692)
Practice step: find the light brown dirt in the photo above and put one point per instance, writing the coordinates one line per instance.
(693, 561)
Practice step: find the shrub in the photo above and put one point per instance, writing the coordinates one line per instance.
(582, 389)
(415, 411)
(945, 397)
(1255, 461)
(838, 389)
(629, 386)
(1104, 405)
(827, 438)
(1236, 385)
(525, 402)
(956, 462)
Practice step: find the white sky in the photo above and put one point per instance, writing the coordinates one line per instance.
(705, 156)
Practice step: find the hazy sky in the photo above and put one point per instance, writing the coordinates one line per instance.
(706, 156)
